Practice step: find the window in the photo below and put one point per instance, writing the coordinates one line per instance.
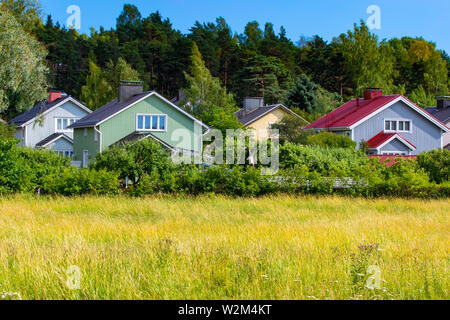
(85, 132)
(63, 123)
(65, 153)
(397, 125)
(147, 122)
(95, 136)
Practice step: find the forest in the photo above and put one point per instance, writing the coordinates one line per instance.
(310, 75)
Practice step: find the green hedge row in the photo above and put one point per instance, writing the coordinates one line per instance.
(304, 170)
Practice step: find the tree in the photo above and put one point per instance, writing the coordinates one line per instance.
(266, 77)
(128, 23)
(97, 91)
(291, 130)
(22, 66)
(369, 63)
(420, 97)
(135, 160)
(26, 12)
(206, 98)
(303, 95)
(115, 72)
(101, 85)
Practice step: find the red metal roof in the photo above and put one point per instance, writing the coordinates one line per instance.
(351, 112)
(382, 137)
(379, 139)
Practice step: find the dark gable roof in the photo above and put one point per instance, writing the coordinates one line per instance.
(135, 136)
(50, 138)
(36, 110)
(247, 119)
(106, 111)
(441, 114)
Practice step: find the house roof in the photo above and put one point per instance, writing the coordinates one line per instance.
(115, 107)
(247, 119)
(33, 112)
(383, 138)
(358, 110)
(52, 138)
(43, 107)
(135, 136)
(441, 114)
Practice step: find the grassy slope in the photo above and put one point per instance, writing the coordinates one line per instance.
(220, 248)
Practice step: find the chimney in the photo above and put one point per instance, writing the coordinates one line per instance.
(251, 104)
(127, 89)
(54, 95)
(443, 102)
(372, 93)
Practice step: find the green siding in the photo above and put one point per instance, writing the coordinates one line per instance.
(124, 123)
(80, 143)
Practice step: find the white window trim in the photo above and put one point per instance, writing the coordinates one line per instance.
(397, 121)
(62, 153)
(68, 124)
(152, 115)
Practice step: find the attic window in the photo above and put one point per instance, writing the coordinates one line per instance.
(397, 125)
(151, 122)
(63, 123)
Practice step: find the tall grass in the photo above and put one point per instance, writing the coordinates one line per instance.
(212, 247)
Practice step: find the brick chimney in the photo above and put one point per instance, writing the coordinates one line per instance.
(372, 93)
(54, 95)
(127, 89)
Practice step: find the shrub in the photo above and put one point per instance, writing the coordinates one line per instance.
(437, 164)
(40, 164)
(72, 181)
(14, 173)
(135, 160)
(326, 161)
(331, 140)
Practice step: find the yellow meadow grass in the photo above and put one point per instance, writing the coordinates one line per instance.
(211, 247)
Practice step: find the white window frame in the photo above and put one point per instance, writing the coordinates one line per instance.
(152, 115)
(395, 153)
(68, 123)
(63, 153)
(397, 121)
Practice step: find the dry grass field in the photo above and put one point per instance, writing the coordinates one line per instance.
(212, 247)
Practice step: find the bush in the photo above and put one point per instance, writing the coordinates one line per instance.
(404, 179)
(331, 140)
(437, 164)
(326, 161)
(72, 181)
(136, 160)
(14, 176)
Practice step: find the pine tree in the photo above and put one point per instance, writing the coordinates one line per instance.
(206, 98)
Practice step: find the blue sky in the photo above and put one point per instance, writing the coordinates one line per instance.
(327, 18)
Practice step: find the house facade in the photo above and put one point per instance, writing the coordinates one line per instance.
(257, 116)
(391, 125)
(136, 115)
(442, 113)
(46, 124)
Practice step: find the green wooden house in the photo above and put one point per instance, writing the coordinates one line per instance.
(136, 115)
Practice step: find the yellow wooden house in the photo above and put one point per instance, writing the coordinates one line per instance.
(257, 116)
